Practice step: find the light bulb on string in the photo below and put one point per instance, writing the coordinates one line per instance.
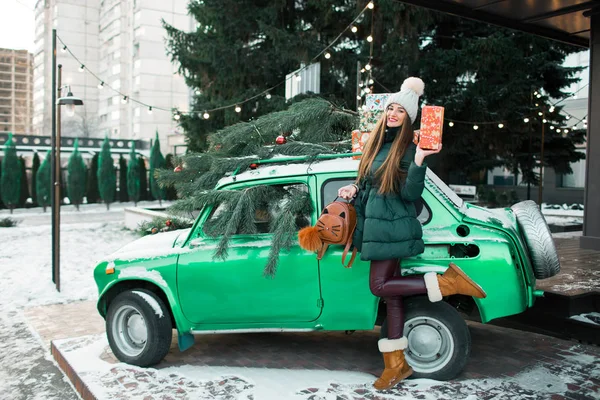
(367, 90)
(358, 97)
(268, 96)
(526, 120)
(238, 109)
(124, 100)
(369, 38)
(198, 92)
(368, 67)
(328, 55)
(552, 127)
(150, 110)
(354, 29)
(364, 107)
(206, 115)
(101, 85)
(362, 70)
(177, 116)
(371, 5)
(538, 96)
(558, 131)
(544, 120)
(64, 49)
(551, 109)
(475, 127)
(450, 124)
(298, 77)
(500, 126)
(371, 81)
(81, 68)
(568, 117)
(540, 113)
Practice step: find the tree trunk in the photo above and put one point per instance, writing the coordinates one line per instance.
(107, 205)
(77, 207)
(44, 208)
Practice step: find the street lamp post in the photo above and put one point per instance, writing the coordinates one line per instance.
(55, 197)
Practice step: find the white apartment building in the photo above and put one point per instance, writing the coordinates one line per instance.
(123, 43)
(16, 88)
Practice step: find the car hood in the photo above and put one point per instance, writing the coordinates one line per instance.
(150, 246)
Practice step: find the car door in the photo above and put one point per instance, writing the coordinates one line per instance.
(235, 290)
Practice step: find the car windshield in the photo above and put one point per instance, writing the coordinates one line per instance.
(449, 193)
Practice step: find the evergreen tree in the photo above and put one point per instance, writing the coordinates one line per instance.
(92, 194)
(123, 197)
(133, 176)
(157, 161)
(43, 182)
(76, 179)
(24, 195)
(35, 166)
(107, 177)
(171, 192)
(10, 181)
(144, 193)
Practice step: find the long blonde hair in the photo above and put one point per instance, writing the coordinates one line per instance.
(389, 174)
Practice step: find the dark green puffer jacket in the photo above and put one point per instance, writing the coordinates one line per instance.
(387, 225)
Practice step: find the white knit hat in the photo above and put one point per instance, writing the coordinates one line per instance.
(408, 96)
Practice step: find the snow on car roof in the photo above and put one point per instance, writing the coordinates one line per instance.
(281, 170)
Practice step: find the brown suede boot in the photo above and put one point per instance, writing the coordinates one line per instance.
(396, 367)
(453, 281)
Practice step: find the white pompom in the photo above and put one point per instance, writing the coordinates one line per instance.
(416, 84)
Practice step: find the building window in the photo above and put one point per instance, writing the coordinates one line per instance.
(577, 178)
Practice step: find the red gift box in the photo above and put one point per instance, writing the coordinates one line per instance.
(432, 124)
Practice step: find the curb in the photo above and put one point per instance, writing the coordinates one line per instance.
(67, 369)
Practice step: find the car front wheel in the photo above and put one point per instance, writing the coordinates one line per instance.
(439, 341)
(139, 329)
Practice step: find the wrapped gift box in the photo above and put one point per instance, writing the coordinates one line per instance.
(368, 120)
(432, 124)
(375, 101)
(359, 139)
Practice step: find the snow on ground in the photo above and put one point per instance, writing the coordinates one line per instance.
(26, 368)
(589, 318)
(115, 381)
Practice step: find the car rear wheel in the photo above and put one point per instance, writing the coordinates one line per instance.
(439, 341)
(139, 329)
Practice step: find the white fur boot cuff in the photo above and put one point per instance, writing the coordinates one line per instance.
(389, 345)
(433, 287)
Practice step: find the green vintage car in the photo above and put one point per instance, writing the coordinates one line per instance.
(171, 280)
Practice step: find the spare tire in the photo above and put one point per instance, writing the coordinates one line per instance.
(538, 238)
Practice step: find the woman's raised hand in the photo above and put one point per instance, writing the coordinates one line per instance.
(422, 153)
(347, 192)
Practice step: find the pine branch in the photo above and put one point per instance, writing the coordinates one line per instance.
(244, 203)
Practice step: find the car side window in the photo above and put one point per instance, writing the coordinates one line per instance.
(256, 212)
(330, 188)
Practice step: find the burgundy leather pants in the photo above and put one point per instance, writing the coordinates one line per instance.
(386, 281)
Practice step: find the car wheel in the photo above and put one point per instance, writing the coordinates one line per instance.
(538, 238)
(139, 329)
(439, 341)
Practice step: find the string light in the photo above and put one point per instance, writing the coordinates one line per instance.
(354, 29)
(475, 127)
(371, 81)
(544, 120)
(369, 38)
(298, 77)
(198, 92)
(540, 113)
(176, 116)
(101, 85)
(238, 109)
(206, 115)
(124, 100)
(450, 124)
(81, 68)
(552, 127)
(268, 96)
(358, 97)
(150, 110)
(328, 55)
(371, 5)
(500, 126)
(551, 109)
(526, 120)
(368, 67)
(64, 49)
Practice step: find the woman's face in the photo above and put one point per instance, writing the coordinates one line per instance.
(395, 115)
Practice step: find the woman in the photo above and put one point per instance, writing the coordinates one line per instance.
(390, 180)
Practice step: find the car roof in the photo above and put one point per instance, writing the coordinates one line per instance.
(293, 169)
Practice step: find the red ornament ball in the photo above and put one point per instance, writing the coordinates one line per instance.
(168, 222)
(281, 139)
(178, 169)
(154, 230)
(253, 166)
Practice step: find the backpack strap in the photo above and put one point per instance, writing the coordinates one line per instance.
(346, 253)
(322, 251)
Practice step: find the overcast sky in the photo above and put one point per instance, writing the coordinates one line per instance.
(17, 24)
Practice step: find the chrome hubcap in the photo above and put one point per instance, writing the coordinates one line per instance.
(129, 330)
(430, 344)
